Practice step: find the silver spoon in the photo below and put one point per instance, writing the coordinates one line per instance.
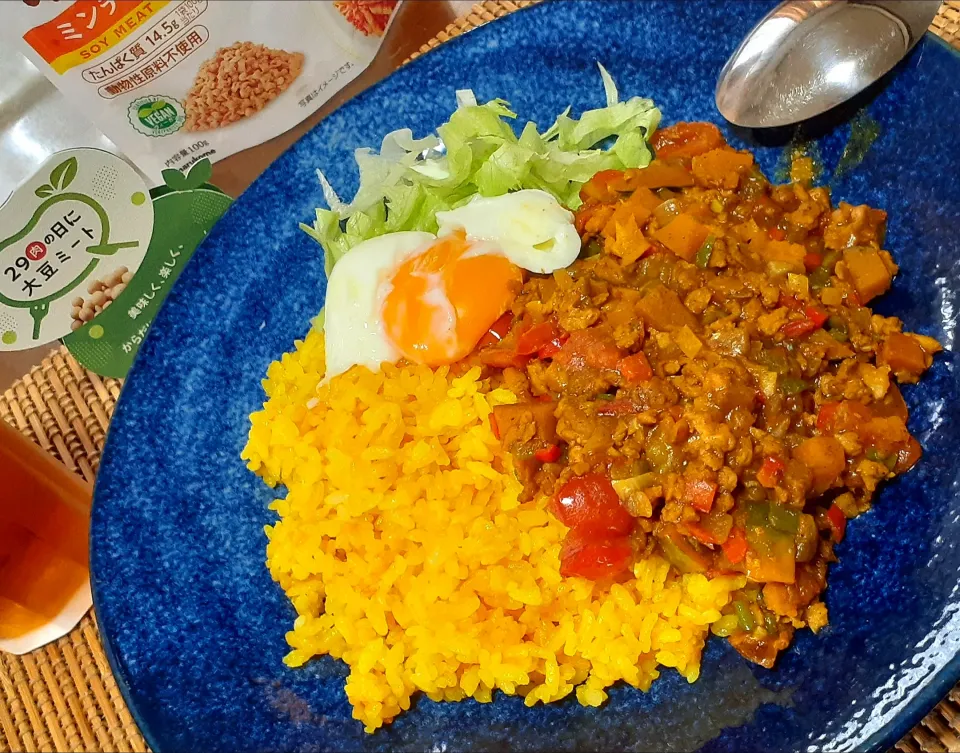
(807, 56)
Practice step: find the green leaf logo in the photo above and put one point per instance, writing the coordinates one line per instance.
(199, 174)
(44, 191)
(63, 174)
(174, 179)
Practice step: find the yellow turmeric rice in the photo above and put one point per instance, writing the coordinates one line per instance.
(406, 553)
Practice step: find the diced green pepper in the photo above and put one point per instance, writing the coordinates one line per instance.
(726, 626)
(784, 519)
(819, 278)
(807, 538)
(830, 259)
(770, 623)
(702, 259)
(604, 396)
(770, 556)
(744, 616)
(793, 386)
(680, 553)
(837, 328)
(758, 514)
(874, 454)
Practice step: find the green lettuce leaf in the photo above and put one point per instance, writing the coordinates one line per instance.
(405, 184)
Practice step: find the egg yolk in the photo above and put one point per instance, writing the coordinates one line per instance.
(442, 301)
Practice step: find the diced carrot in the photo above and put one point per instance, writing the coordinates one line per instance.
(635, 368)
(662, 309)
(867, 272)
(623, 238)
(721, 168)
(660, 174)
(825, 459)
(903, 353)
(776, 234)
(684, 236)
(646, 198)
(812, 261)
(604, 186)
(780, 250)
(686, 140)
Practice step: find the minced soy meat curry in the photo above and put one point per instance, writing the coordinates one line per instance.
(707, 380)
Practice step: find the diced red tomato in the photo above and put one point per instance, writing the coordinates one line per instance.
(593, 558)
(535, 337)
(812, 261)
(776, 234)
(591, 503)
(618, 408)
(815, 318)
(827, 416)
(770, 471)
(796, 330)
(908, 456)
(700, 494)
(837, 521)
(501, 358)
(548, 454)
(701, 534)
(735, 547)
(789, 301)
(588, 347)
(498, 330)
(552, 348)
(635, 368)
(843, 415)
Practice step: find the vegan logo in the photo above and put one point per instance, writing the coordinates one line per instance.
(156, 115)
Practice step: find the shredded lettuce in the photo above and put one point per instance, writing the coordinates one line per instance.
(477, 152)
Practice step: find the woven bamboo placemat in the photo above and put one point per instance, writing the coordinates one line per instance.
(63, 697)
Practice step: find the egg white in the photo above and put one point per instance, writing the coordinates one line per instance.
(353, 326)
(529, 227)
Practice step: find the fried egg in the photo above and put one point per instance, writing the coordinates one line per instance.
(430, 299)
(529, 227)
(353, 327)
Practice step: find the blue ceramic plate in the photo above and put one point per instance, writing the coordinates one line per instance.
(195, 627)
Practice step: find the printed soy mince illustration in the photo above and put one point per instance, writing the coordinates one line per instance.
(83, 215)
(115, 316)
